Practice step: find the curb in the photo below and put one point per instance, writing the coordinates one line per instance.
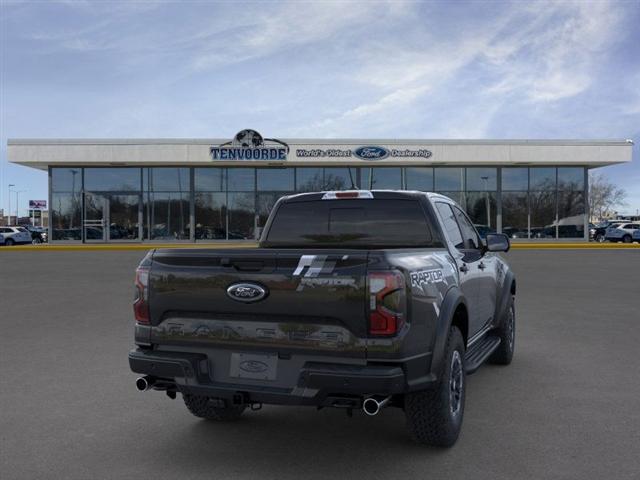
(575, 246)
(106, 247)
(49, 248)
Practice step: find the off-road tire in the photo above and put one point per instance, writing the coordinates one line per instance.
(507, 333)
(204, 407)
(431, 419)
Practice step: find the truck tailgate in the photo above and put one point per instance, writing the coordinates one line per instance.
(314, 301)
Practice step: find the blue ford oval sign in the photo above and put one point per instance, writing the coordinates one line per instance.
(371, 153)
(246, 292)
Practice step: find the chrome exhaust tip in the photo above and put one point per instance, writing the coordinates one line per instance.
(144, 383)
(372, 406)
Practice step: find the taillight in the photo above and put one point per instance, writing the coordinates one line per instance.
(387, 301)
(141, 302)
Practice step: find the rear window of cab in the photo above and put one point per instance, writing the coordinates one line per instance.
(351, 223)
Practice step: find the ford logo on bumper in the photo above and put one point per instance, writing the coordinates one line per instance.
(247, 292)
(371, 153)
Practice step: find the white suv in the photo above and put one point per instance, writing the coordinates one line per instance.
(623, 232)
(15, 235)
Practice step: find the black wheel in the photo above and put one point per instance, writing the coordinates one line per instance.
(208, 407)
(599, 238)
(36, 241)
(507, 333)
(626, 239)
(9, 242)
(434, 416)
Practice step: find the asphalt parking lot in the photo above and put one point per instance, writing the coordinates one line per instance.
(568, 406)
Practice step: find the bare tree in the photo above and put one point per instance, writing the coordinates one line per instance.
(604, 196)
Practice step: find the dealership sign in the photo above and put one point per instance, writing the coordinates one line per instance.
(366, 152)
(38, 204)
(250, 145)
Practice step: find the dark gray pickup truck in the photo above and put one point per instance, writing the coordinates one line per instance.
(354, 299)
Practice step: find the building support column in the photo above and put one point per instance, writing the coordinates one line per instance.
(587, 206)
(499, 201)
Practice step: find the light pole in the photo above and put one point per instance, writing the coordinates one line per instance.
(18, 192)
(9, 212)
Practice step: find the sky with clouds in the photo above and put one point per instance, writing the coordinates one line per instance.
(372, 69)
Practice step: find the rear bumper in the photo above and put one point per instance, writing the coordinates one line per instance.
(319, 384)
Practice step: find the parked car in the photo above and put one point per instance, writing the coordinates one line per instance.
(622, 232)
(515, 232)
(357, 300)
(38, 234)
(15, 235)
(543, 232)
(599, 231)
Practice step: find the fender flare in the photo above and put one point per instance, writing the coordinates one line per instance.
(453, 298)
(504, 297)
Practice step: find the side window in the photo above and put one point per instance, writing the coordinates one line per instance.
(469, 235)
(450, 225)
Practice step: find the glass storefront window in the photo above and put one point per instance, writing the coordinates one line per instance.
(163, 179)
(571, 178)
(515, 214)
(123, 217)
(482, 210)
(66, 179)
(112, 179)
(241, 179)
(339, 178)
(419, 178)
(209, 179)
(542, 178)
(275, 179)
(381, 178)
(309, 179)
(227, 204)
(515, 179)
(542, 214)
(210, 216)
(241, 216)
(449, 179)
(482, 179)
(66, 216)
(167, 216)
(571, 211)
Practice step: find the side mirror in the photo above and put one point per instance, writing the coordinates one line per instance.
(497, 242)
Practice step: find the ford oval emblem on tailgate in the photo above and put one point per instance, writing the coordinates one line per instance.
(247, 292)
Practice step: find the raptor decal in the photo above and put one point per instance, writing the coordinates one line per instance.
(426, 276)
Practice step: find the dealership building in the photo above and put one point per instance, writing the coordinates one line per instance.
(205, 190)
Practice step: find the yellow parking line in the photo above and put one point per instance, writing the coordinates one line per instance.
(584, 246)
(135, 246)
(238, 245)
